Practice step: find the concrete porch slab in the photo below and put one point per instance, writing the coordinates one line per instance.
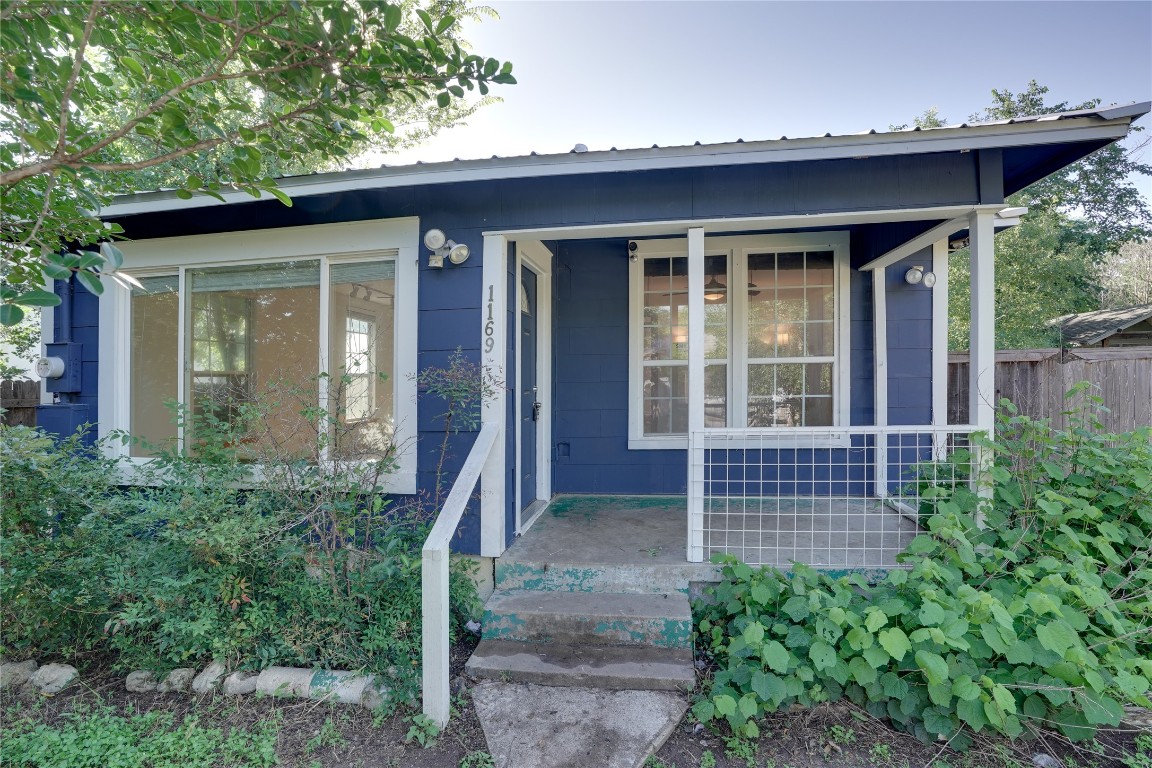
(536, 726)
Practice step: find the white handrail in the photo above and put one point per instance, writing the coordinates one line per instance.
(434, 578)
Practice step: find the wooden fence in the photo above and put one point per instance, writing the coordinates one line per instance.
(19, 400)
(1037, 379)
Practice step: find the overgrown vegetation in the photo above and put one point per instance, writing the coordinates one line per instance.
(1031, 610)
(250, 551)
(104, 738)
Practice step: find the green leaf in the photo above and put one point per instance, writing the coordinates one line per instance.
(443, 99)
(704, 710)
(931, 614)
(972, 713)
(862, 671)
(748, 705)
(933, 666)
(822, 654)
(797, 608)
(133, 65)
(1019, 653)
(1100, 709)
(38, 298)
(893, 685)
(1004, 698)
(875, 619)
(895, 642)
(112, 255)
(754, 633)
(725, 705)
(10, 314)
(1057, 637)
(876, 656)
(965, 689)
(91, 282)
(776, 656)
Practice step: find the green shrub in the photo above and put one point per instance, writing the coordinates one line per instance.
(241, 554)
(1031, 610)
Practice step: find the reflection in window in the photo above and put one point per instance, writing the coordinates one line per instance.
(363, 296)
(155, 311)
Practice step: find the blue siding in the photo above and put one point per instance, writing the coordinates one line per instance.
(591, 290)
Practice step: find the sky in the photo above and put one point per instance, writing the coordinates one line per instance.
(634, 74)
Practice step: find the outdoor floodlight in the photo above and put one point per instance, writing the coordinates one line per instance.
(441, 247)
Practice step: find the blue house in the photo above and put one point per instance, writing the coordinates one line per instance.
(745, 339)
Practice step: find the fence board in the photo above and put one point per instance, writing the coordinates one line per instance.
(19, 400)
(1037, 379)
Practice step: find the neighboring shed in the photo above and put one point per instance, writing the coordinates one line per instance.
(1128, 327)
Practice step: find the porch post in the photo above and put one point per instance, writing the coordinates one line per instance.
(695, 394)
(982, 337)
(493, 351)
(940, 348)
(880, 375)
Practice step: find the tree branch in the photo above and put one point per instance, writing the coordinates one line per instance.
(77, 66)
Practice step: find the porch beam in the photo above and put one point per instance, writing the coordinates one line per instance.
(906, 249)
(982, 335)
(493, 356)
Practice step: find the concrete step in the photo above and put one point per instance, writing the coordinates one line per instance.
(588, 666)
(621, 578)
(660, 620)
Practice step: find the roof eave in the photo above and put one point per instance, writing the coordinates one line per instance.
(999, 135)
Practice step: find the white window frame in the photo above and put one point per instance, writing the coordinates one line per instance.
(330, 244)
(737, 248)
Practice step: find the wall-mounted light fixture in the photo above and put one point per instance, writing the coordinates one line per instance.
(441, 247)
(917, 275)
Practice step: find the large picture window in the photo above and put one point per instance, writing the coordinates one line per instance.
(218, 332)
(775, 334)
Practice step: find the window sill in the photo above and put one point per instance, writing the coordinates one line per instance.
(752, 441)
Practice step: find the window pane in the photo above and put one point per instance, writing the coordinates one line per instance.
(716, 395)
(254, 337)
(665, 400)
(155, 367)
(361, 323)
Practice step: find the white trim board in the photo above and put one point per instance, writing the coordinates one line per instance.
(536, 256)
(330, 243)
(959, 139)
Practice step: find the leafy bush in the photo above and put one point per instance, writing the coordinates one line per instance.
(1033, 609)
(249, 556)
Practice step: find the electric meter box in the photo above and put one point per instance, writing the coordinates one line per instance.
(68, 382)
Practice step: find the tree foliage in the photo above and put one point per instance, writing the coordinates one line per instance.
(204, 96)
(1051, 264)
(1125, 276)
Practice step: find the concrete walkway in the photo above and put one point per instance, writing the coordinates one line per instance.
(538, 726)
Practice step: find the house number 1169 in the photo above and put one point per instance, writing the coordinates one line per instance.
(490, 325)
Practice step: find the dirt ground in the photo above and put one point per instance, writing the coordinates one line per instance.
(317, 735)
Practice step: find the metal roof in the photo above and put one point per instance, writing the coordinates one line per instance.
(1100, 125)
(1089, 328)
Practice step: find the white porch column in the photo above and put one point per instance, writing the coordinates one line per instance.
(493, 354)
(695, 394)
(880, 374)
(982, 333)
(940, 348)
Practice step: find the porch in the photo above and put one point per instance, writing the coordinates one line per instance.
(647, 534)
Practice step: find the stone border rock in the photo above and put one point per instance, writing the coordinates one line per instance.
(47, 680)
(339, 686)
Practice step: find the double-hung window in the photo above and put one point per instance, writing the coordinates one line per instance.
(775, 335)
(301, 320)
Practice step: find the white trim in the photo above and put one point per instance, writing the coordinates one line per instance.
(940, 334)
(724, 225)
(328, 243)
(47, 336)
(536, 256)
(982, 343)
(880, 372)
(696, 329)
(917, 243)
(737, 248)
(960, 139)
(494, 312)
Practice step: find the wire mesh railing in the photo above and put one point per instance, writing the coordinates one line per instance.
(848, 497)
